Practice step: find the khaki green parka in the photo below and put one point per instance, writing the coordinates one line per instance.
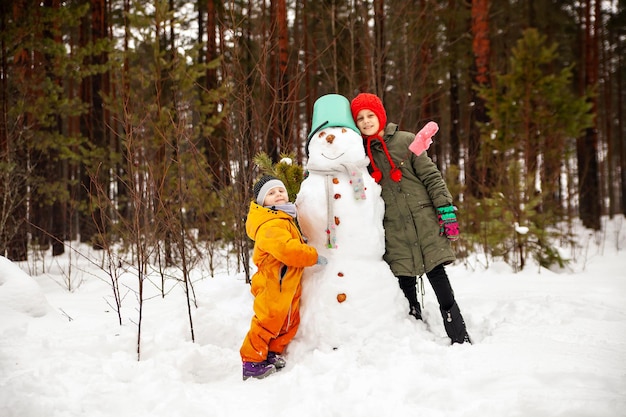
(413, 245)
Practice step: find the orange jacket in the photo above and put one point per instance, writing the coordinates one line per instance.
(280, 255)
(278, 243)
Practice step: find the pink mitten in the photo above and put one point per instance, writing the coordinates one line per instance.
(423, 138)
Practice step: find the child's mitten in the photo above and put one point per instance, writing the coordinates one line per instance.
(448, 225)
(321, 260)
(423, 138)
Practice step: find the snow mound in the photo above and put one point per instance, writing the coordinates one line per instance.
(20, 295)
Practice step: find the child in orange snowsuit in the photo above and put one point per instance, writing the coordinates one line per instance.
(280, 254)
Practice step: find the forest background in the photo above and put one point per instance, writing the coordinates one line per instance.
(139, 126)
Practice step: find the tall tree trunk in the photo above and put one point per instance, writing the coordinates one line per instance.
(309, 67)
(57, 219)
(604, 59)
(379, 48)
(13, 188)
(216, 149)
(271, 140)
(161, 162)
(39, 159)
(282, 87)
(92, 223)
(122, 140)
(476, 180)
(298, 130)
(587, 146)
(454, 34)
(365, 80)
(621, 136)
(5, 209)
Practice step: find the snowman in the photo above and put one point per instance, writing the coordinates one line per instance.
(340, 211)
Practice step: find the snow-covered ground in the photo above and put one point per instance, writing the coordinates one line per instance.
(545, 344)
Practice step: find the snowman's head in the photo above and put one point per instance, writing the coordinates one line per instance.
(331, 110)
(334, 139)
(331, 147)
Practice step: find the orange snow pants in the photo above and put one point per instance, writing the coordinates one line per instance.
(275, 322)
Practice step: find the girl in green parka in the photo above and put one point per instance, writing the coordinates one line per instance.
(419, 218)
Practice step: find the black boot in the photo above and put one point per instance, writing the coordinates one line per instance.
(408, 287)
(454, 325)
(416, 311)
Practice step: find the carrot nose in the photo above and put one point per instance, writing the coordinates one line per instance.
(330, 138)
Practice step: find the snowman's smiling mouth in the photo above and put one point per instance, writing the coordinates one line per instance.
(332, 159)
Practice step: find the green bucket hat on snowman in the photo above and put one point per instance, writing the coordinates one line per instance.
(331, 110)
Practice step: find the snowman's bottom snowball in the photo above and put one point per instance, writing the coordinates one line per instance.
(373, 305)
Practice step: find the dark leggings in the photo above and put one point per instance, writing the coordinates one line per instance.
(438, 280)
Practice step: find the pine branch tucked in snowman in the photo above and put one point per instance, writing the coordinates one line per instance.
(289, 173)
(340, 212)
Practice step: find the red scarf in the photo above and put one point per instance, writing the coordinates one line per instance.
(395, 174)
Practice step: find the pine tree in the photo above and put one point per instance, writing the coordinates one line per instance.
(37, 72)
(535, 118)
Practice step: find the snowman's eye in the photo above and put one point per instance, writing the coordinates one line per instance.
(322, 134)
(343, 130)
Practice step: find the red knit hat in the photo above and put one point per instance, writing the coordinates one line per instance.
(370, 102)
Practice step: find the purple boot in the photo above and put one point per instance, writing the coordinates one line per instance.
(258, 370)
(276, 359)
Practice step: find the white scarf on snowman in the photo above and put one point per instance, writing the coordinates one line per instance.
(354, 171)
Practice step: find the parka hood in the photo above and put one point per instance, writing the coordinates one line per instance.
(259, 215)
